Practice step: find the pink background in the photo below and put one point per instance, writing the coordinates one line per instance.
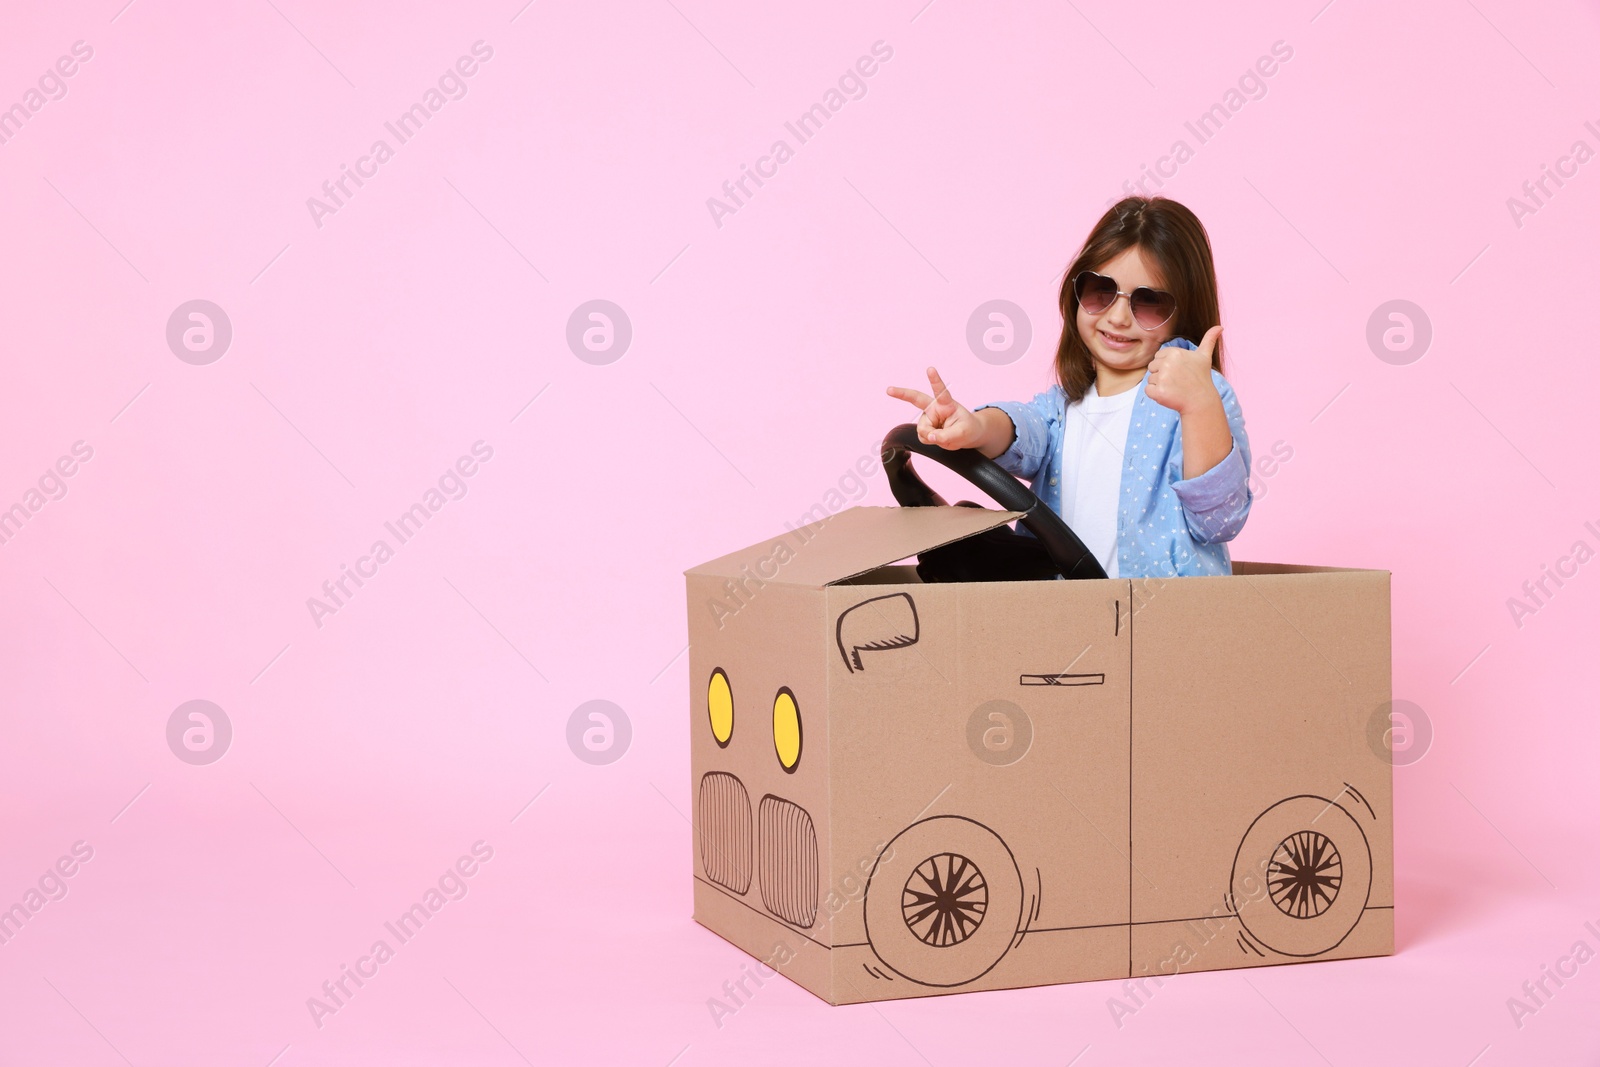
(369, 353)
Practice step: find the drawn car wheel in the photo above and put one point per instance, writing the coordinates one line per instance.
(1302, 876)
(943, 901)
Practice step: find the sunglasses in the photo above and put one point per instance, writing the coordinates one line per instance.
(1150, 307)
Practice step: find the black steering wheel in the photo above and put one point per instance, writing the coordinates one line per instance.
(1055, 549)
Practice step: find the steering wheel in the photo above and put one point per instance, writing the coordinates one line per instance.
(1067, 555)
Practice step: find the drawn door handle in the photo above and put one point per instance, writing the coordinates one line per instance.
(1062, 679)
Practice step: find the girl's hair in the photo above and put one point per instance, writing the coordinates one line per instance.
(1172, 239)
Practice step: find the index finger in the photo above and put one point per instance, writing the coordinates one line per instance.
(940, 390)
(911, 396)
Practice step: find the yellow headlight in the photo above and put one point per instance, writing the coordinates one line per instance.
(786, 734)
(719, 698)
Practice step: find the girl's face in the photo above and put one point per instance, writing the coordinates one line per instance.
(1116, 343)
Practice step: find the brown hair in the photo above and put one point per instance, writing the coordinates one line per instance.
(1175, 242)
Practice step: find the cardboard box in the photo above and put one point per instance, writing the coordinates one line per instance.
(904, 789)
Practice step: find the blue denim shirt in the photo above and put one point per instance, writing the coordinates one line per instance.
(1168, 525)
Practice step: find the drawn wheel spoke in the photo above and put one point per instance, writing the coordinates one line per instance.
(1304, 875)
(944, 900)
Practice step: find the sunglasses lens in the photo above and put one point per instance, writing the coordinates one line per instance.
(1095, 292)
(1151, 307)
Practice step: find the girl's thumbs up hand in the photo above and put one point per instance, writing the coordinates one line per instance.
(944, 422)
(1180, 378)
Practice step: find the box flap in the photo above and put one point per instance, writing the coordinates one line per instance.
(851, 543)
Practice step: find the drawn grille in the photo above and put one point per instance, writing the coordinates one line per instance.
(725, 831)
(788, 861)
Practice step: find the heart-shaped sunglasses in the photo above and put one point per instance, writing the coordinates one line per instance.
(1151, 307)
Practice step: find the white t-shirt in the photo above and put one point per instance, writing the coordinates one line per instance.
(1095, 434)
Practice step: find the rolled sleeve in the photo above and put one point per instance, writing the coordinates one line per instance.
(1031, 444)
(1217, 502)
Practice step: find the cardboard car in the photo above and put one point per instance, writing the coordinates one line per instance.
(905, 788)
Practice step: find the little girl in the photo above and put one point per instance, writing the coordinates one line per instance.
(1140, 446)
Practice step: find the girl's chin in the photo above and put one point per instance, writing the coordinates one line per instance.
(1120, 361)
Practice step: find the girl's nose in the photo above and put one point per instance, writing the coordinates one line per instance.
(1120, 312)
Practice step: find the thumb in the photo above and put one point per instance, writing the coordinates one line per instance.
(1208, 343)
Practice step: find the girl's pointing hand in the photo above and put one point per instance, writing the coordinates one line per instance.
(944, 422)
